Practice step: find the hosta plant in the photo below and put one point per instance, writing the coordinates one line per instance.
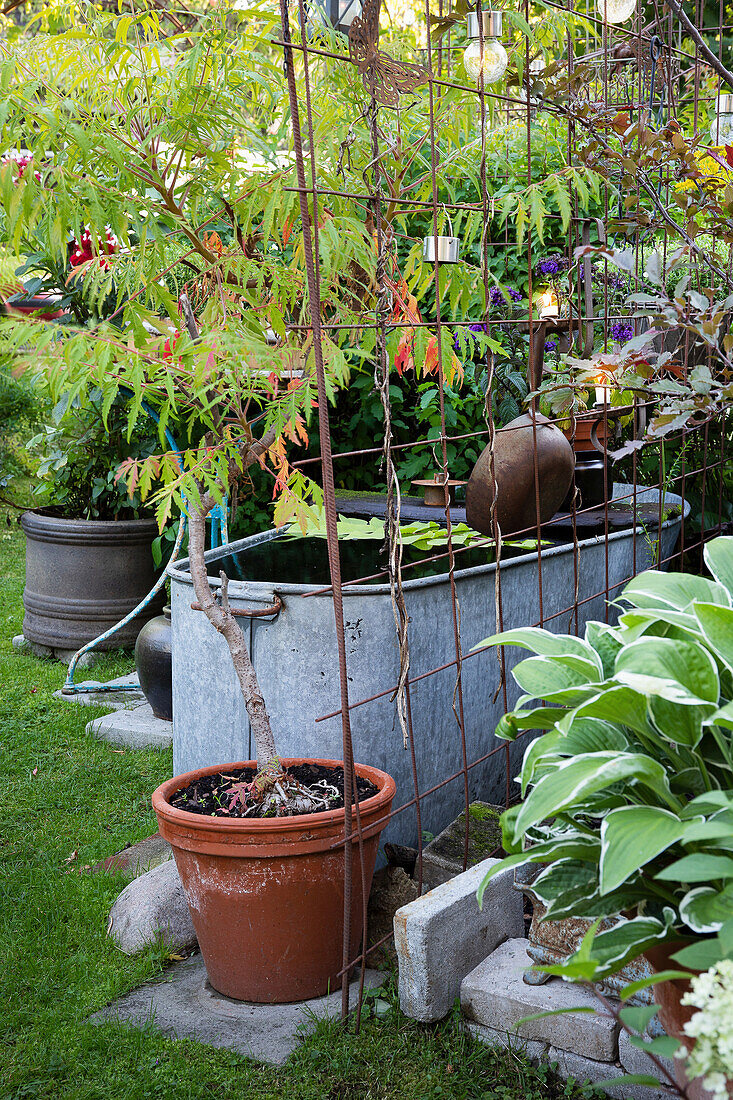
(627, 796)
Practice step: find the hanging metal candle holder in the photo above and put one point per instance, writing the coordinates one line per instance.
(485, 53)
(442, 249)
(721, 129)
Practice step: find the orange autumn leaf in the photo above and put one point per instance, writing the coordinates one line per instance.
(213, 242)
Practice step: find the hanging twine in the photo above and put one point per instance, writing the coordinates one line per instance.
(392, 537)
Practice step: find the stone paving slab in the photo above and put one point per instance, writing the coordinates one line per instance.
(135, 727)
(587, 1069)
(183, 1005)
(115, 700)
(494, 994)
(572, 1065)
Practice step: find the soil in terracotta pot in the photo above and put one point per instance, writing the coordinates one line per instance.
(212, 794)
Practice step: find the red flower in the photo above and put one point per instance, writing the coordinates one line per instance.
(170, 345)
(22, 162)
(83, 249)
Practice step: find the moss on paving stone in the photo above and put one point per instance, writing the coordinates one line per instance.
(484, 835)
(69, 801)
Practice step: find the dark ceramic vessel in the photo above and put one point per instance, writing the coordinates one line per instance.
(511, 477)
(153, 663)
(84, 576)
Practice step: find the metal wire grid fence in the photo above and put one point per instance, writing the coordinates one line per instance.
(643, 66)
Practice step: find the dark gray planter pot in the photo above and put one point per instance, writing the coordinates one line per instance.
(84, 576)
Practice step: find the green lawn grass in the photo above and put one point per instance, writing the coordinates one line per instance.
(67, 801)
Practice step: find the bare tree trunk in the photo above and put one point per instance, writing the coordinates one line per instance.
(221, 617)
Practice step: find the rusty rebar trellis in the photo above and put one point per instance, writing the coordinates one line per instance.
(638, 68)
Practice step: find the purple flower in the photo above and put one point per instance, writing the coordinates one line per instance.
(498, 295)
(550, 345)
(622, 331)
(551, 265)
(468, 331)
(617, 282)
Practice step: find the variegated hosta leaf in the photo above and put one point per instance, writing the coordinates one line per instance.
(705, 910)
(628, 939)
(581, 776)
(673, 590)
(631, 837)
(718, 556)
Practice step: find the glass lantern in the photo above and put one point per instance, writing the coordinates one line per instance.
(488, 57)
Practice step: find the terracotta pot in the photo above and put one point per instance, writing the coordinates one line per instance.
(673, 1015)
(582, 440)
(267, 896)
(42, 306)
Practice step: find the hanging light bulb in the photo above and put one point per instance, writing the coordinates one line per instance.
(488, 57)
(721, 129)
(616, 11)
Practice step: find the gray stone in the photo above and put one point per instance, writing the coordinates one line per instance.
(583, 1069)
(495, 995)
(150, 909)
(443, 857)
(114, 700)
(183, 1004)
(392, 888)
(135, 727)
(36, 649)
(636, 1061)
(138, 858)
(442, 935)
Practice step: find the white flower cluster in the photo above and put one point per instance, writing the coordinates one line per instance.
(712, 1027)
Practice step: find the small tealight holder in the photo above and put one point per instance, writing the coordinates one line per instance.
(448, 250)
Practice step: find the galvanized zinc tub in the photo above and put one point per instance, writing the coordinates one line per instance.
(295, 655)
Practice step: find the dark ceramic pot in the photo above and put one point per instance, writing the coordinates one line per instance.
(83, 576)
(593, 480)
(153, 663)
(511, 477)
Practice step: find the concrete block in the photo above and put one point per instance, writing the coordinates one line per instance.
(583, 1069)
(442, 935)
(534, 1050)
(494, 994)
(571, 1065)
(636, 1061)
(443, 857)
(152, 908)
(183, 1004)
(135, 727)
